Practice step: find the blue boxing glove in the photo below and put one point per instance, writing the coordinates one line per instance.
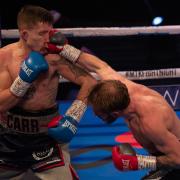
(30, 69)
(64, 128)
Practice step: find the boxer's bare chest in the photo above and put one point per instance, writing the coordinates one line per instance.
(134, 123)
(42, 93)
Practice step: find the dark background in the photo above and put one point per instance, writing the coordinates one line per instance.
(83, 13)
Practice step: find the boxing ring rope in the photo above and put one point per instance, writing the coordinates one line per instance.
(144, 74)
(103, 31)
(117, 31)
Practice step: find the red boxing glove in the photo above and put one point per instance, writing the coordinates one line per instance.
(56, 42)
(124, 157)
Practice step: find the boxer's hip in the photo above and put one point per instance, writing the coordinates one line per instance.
(23, 130)
(18, 120)
(24, 137)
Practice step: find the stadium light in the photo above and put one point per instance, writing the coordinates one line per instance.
(157, 20)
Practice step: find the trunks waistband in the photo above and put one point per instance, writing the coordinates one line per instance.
(18, 120)
(34, 113)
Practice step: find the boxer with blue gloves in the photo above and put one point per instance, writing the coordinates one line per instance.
(30, 69)
(28, 100)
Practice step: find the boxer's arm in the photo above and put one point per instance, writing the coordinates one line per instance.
(101, 68)
(63, 129)
(7, 99)
(58, 44)
(78, 76)
(165, 142)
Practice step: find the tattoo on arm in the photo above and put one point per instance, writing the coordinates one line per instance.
(30, 93)
(77, 71)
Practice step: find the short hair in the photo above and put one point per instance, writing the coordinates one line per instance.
(30, 15)
(109, 95)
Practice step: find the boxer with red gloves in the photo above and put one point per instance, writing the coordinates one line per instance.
(59, 44)
(125, 158)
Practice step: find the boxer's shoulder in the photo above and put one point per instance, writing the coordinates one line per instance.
(9, 47)
(7, 53)
(4, 58)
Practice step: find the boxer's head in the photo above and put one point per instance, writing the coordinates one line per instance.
(34, 24)
(108, 99)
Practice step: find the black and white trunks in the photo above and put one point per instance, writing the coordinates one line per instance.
(24, 140)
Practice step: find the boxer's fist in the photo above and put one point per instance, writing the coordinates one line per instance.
(56, 42)
(62, 129)
(30, 69)
(125, 158)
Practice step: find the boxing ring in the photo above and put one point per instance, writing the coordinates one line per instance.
(131, 52)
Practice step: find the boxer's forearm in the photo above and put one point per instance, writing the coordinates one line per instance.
(101, 68)
(167, 162)
(7, 100)
(91, 62)
(84, 91)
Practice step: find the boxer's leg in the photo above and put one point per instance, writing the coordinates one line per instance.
(63, 172)
(10, 174)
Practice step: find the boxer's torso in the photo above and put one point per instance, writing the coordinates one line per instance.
(42, 93)
(150, 109)
(24, 136)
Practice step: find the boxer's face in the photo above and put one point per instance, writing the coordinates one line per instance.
(37, 37)
(106, 117)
